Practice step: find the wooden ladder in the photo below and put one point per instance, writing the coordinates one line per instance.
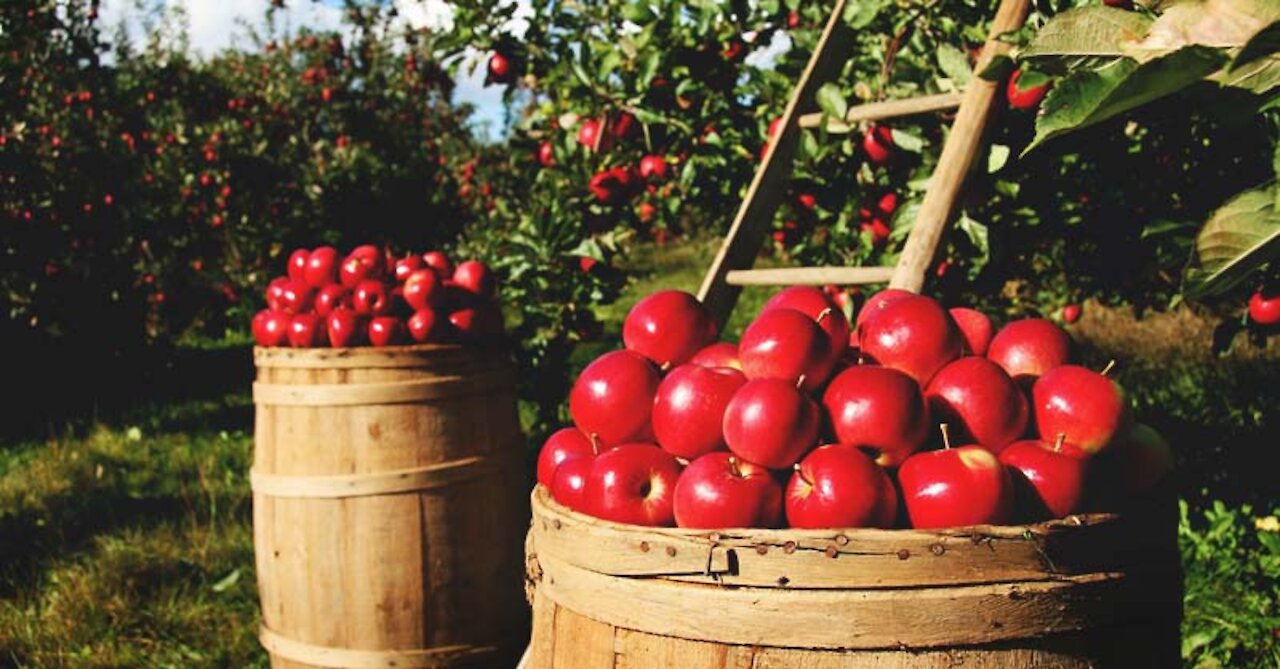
(731, 268)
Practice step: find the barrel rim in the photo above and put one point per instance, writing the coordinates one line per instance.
(408, 355)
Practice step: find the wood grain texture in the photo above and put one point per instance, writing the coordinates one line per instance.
(885, 110)
(809, 276)
(394, 550)
(961, 148)
(1113, 601)
(768, 187)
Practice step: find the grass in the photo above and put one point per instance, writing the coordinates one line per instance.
(128, 543)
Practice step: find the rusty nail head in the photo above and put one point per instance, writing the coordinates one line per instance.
(644, 547)
(904, 554)
(832, 551)
(671, 551)
(556, 523)
(783, 581)
(789, 547)
(842, 539)
(762, 549)
(937, 549)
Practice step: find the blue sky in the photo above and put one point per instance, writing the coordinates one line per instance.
(217, 24)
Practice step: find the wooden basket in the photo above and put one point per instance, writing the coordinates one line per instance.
(387, 507)
(1095, 591)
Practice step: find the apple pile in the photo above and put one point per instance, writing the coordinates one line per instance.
(914, 415)
(373, 297)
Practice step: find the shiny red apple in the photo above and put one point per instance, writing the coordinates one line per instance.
(423, 289)
(688, 409)
(787, 345)
(275, 291)
(719, 354)
(428, 325)
(308, 331)
(474, 277)
(347, 328)
(815, 304)
(668, 327)
(562, 445)
(297, 268)
(979, 401)
(387, 331)
(270, 328)
(1030, 347)
(569, 483)
(1264, 307)
(718, 490)
(331, 297)
(322, 267)
(1052, 482)
(878, 302)
(355, 270)
(612, 398)
(877, 408)
(371, 298)
(771, 423)
(956, 487)
(1076, 401)
(296, 297)
(406, 266)
(839, 486)
(914, 335)
(633, 483)
(975, 329)
(439, 262)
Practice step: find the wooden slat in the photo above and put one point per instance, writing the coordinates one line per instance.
(885, 110)
(958, 155)
(809, 276)
(767, 188)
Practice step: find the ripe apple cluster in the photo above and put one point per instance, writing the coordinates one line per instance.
(811, 421)
(374, 297)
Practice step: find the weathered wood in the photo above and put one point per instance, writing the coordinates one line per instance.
(387, 517)
(809, 276)
(885, 110)
(747, 232)
(1117, 607)
(958, 154)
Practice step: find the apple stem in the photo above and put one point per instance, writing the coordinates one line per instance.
(733, 467)
(800, 381)
(946, 436)
(595, 443)
(822, 314)
(665, 367)
(1062, 439)
(800, 473)
(1107, 370)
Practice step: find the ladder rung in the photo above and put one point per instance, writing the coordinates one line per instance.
(809, 276)
(878, 111)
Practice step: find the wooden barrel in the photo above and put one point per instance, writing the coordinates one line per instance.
(1096, 591)
(388, 507)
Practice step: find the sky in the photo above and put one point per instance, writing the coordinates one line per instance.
(217, 24)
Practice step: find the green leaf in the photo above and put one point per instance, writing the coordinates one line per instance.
(997, 158)
(1213, 23)
(907, 141)
(954, 64)
(831, 101)
(861, 14)
(226, 582)
(978, 235)
(1240, 236)
(997, 69)
(1265, 42)
(1259, 76)
(1086, 97)
(1088, 31)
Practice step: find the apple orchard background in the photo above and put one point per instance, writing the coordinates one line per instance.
(147, 197)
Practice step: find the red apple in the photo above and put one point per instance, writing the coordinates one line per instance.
(589, 134)
(1084, 405)
(877, 303)
(387, 331)
(370, 254)
(562, 445)
(956, 487)
(423, 289)
(839, 486)
(613, 186)
(478, 322)
(499, 69)
(406, 266)
(815, 304)
(547, 154)
(980, 403)
(1024, 98)
(1264, 307)
(270, 328)
(877, 408)
(296, 297)
(371, 298)
(322, 267)
(688, 409)
(1138, 460)
(914, 335)
(719, 354)
(771, 423)
(787, 345)
(653, 168)
(1052, 482)
(633, 483)
(439, 262)
(275, 291)
(298, 266)
(474, 277)
(307, 331)
(718, 490)
(878, 144)
(975, 329)
(613, 398)
(347, 328)
(427, 325)
(668, 327)
(1030, 347)
(569, 483)
(357, 269)
(1071, 313)
(331, 297)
